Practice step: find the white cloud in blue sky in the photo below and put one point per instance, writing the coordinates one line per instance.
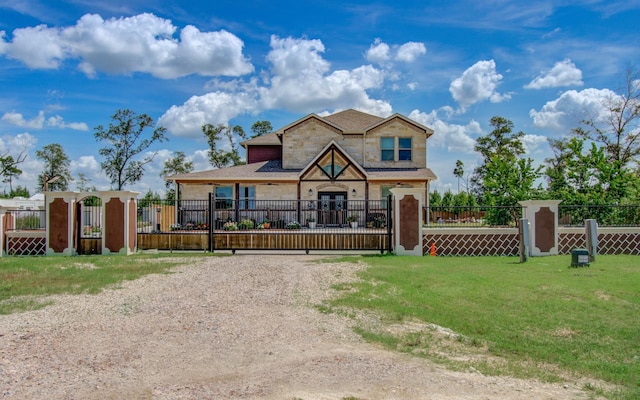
(66, 67)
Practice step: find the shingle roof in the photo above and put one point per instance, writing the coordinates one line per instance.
(353, 120)
(270, 139)
(265, 170)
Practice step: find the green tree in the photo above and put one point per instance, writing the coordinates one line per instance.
(9, 167)
(458, 172)
(618, 132)
(19, 191)
(56, 175)
(218, 157)
(435, 199)
(126, 139)
(260, 128)
(150, 199)
(504, 177)
(173, 166)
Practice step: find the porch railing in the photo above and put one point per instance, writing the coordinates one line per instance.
(26, 220)
(227, 214)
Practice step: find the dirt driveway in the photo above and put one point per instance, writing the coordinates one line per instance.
(240, 327)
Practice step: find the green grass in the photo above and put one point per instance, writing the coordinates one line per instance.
(25, 282)
(540, 319)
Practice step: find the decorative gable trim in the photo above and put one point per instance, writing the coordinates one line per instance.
(327, 165)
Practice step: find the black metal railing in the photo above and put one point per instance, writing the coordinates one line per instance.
(605, 215)
(228, 214)
(26, 220)
(471, 216)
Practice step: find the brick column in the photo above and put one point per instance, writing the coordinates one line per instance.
(60, 208)
(543, 226)
(119, 210)
(407, 220)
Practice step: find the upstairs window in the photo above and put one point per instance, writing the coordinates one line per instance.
(404, 149)
(387, 147)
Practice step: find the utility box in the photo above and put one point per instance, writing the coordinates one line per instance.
(579, 258)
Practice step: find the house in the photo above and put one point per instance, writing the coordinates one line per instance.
(349, 156)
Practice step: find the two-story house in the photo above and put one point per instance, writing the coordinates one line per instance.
(346, 156)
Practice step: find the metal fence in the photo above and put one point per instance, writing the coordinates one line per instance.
(605, 215)
(471, 217)
(26, 220)
(227, 214)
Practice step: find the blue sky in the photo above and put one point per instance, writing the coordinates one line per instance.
(67, 66)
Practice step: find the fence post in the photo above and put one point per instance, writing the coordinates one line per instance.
(1, 232)
(389, 224)
(523, 231)
(407, 221)
(543, 226)
(591, 236)
(212, 221)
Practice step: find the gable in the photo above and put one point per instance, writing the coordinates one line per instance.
(332, 164)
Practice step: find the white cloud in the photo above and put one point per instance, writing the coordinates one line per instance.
(300, 80)
(141, 43)
(85, 164)
(477, 83)
(381, 53)
(378, 52)
(58, 121)
(453, 137)
(566, 112)
(409, 51)
(534, 144)
(16, 144)
(17, 119)
(212, 108)
(563, 73)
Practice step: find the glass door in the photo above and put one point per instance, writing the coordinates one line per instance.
(332, 208)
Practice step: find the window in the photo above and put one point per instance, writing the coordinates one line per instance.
(404, 149)
(387, 147)
(224, 197)
(247, 197)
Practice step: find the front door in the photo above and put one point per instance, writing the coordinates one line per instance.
(332, 208)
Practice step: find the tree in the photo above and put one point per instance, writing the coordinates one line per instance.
(260, 128)
(19, 191)
(500, 143)
(619, 131)
(173, 166)
(458, 172)
(56, 175)
(504, 178)
(220, 158)
(126, 140)
(9, 167)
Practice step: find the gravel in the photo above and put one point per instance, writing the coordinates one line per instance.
(239, 327)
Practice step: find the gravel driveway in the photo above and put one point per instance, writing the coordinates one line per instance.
(240, 327)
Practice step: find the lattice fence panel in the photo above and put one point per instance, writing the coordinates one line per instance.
(472, 245)
(569, 241)
(26, 246)
(619, 243)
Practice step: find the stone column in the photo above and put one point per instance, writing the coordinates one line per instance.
(60, 216)
(119, 222)
(407, 220)
(543, 226)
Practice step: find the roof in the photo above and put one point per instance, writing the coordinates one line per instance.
(270, 139)
(272, 171)
(264, 170)
(353, 120)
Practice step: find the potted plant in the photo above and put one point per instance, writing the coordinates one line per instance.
(245, 224)
(293, 225)
(266, 224)
(353, 220)
(311, 222)
(230, 226)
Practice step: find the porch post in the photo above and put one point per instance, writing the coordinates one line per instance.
(407, 220)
